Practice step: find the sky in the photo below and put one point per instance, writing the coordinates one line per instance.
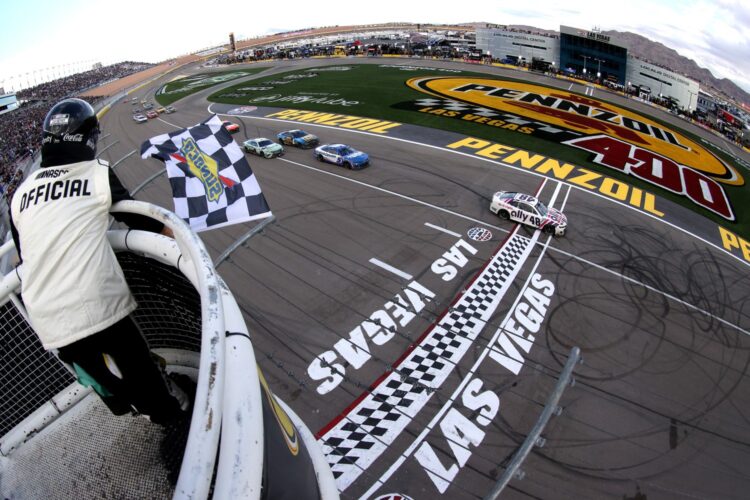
(51, 37)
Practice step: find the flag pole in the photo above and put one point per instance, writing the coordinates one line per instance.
(243, 239)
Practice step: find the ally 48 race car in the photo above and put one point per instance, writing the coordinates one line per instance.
(528, 210)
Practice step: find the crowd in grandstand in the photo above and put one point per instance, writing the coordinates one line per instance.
(21, 129)
(80, 82)
(20, 136)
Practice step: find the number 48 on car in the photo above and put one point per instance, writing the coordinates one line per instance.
(528, 210)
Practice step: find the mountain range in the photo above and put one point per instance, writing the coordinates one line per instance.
(643, 48)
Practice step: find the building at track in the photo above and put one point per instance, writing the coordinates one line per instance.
(590, 55)
(8, 102)
(593, 55)
(518, 46)
(663, 83)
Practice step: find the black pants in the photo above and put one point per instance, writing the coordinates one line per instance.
(142, 385)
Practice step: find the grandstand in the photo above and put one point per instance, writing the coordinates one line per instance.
(20, 125)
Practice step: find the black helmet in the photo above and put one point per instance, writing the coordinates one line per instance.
(70, 132)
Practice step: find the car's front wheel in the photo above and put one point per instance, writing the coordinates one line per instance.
(549, 229)
(268, 155)
(504, 214)
(319, 157)
(349, 166)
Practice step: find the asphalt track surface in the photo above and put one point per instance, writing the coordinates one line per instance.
(660, 407)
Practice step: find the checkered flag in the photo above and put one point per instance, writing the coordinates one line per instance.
(212, 183)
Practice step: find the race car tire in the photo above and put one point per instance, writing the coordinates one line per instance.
(549, 230)
(268, 155)
(319, 157)
(504, 214)
(348, 165)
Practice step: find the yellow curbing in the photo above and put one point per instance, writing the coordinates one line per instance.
(103, 111)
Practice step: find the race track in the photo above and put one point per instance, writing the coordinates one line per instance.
(435, 396)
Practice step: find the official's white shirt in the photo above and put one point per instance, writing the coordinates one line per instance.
(72, 285)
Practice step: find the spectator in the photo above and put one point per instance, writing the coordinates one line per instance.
(21, 129)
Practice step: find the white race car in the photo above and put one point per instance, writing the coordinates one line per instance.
(139, 118)
(528, 210)
(263, 147)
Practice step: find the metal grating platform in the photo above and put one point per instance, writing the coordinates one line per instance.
(88, 453)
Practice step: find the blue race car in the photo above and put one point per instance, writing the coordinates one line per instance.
(342, 155)
(298, 138)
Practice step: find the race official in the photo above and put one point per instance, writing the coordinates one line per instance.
(72, 285)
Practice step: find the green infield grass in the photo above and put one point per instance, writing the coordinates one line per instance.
(379, 91)
(181, 87)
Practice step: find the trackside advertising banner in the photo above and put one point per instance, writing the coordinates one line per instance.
(212, 183)
(616, 137)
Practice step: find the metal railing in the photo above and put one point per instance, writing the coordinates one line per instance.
(228, 401)
(534, 438)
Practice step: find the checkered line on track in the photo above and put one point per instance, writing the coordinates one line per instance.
(360, 438)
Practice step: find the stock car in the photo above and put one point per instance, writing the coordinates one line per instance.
(232, 128)
(139, 118)
(169, 110)
(342, 155)
(263, 147)
(152, 114)
(528, 210)
(298, 138)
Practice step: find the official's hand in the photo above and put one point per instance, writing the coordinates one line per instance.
(167, 231)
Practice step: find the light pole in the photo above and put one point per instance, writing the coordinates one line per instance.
(585, 58)
(598, 69)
